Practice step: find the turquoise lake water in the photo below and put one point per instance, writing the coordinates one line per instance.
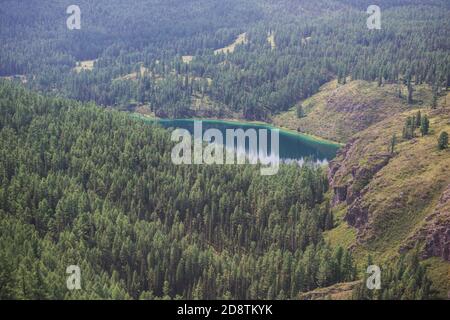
(292, 146)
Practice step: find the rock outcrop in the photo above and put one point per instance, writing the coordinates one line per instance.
(435, 232)
(350, 183)
(401, 198)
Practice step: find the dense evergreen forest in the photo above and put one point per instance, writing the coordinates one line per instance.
(94, 188)
(406, 279)
(138, 49)
(83, 186)
(82, 183)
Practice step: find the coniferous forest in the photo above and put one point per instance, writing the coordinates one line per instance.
(313, 43)
(84, 183)
(84, 186)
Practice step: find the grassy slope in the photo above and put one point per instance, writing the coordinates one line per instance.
(439, 272)
(241, 39)
(337, 112)
(402, 194)
(340, 291)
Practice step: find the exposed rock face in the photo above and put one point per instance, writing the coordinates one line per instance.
(340, 194)
(400, 200)
(357, 214)
(350, 183)
(336, 167)
(340, 111)
(436, 231)
(438, 243)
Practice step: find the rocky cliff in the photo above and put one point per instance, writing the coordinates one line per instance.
(399, 200)
(385, 202)
(435, 231)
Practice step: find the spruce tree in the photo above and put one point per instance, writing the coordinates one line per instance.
(410, 91)
(425, 126)
(300, 111)
(434, 101)
(443, 141)
(393, 143)
(435, 98)
(418, 119)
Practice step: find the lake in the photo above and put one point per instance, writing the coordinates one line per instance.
(293, 146)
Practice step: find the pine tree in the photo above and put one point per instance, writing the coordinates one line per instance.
(300, 111)
(393, 143)
(434, 101)
(418, 119)
(425, 126)
(409, 128)
(410, 90)
(443, 141)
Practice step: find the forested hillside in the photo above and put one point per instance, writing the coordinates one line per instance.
(94, 188)
(392, 189)
(161, 54)
(83, 183)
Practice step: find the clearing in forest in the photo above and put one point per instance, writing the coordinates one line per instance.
(84, 65)
(134, 75)
(271, 40)
(241, 39)
(187, 59)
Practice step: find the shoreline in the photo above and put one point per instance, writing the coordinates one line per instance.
(307, 136)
